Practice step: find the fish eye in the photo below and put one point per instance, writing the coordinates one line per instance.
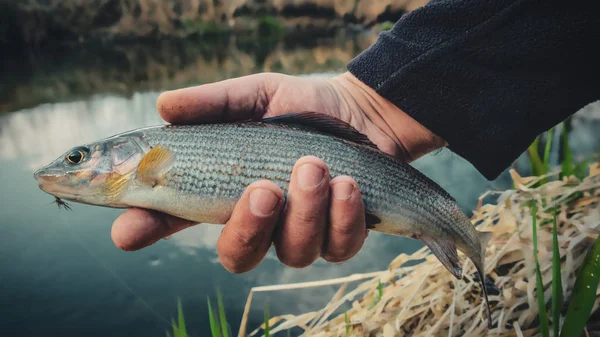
(76, 156)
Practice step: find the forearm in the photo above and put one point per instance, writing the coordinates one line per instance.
(487, 77)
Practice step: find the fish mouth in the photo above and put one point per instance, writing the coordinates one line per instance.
(50, 183)
(44, 177)
(46, 180)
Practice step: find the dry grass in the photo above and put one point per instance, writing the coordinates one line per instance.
(426, 300)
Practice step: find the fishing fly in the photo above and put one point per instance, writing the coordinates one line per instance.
(62, 203)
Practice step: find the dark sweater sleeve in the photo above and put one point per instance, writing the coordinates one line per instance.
(488, 76)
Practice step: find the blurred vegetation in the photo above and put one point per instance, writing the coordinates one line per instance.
(26, 24)
(387, 25)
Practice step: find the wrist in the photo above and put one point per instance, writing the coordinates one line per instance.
(412, 138)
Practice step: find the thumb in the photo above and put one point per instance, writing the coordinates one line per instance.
(225, 101)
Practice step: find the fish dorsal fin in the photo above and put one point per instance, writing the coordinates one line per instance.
(154, 165)
(445, 251)
(322, 123)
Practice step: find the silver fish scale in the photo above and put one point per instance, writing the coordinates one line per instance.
(221, 160)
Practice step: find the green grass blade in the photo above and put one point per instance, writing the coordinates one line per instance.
(580, 170)
(567, 163)
(547, 150)
(546, 163)
(557, 290)
(214, 325)
(537, 167)
(377, 297)
(583, 296)
(181, 319)
(347, 320)
(175, 330)
(267, 328)
(222, 318)
(542, 313)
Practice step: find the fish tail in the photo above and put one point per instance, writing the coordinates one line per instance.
(484, 238)
(485, 294)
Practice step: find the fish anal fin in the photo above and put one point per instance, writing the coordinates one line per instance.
(372, 220)
(484, 239)
(154, 165)
(322, 123)
(446, 253)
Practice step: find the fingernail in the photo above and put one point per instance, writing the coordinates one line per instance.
(263, 202)
(310, 176)
(342, 191)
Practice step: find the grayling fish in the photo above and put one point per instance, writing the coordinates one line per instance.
(198, 172)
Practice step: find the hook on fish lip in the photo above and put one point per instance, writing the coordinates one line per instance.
(62, 203)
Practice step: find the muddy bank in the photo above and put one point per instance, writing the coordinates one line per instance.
(39, 22)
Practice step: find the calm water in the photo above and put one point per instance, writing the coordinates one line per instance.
(60, 273)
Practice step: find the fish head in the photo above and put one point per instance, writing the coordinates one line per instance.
(93, 173)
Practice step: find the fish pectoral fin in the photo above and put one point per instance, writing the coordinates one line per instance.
(154, 165)
(445, 251)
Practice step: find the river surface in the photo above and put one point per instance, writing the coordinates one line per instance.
(60, 273)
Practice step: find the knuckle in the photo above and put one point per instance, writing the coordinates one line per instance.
(236, 260)
(344, 242)
(245, 240)
(345, 229)
(302, 219)
(304, 232)
(307, 210)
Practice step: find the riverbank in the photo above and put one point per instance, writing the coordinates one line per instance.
(37, 24)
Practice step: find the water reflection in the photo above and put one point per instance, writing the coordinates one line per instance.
(39, 135)
(60, 75)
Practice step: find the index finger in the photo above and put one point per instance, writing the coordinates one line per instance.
(138, 228)
(225, 101)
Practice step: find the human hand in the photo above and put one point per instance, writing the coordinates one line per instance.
(324, 218)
